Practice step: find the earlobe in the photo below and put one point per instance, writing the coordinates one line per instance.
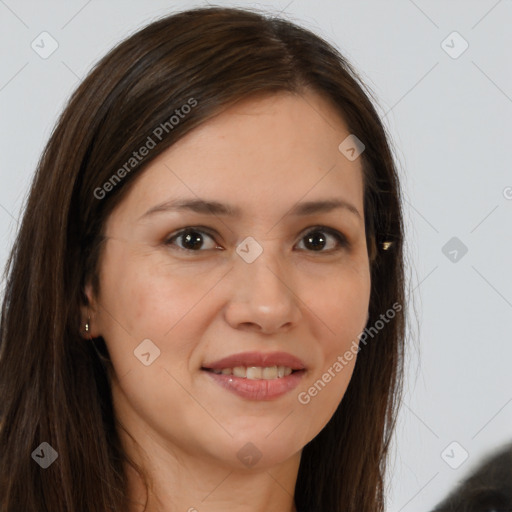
(85, 329)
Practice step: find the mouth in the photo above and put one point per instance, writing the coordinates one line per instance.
(257, 376)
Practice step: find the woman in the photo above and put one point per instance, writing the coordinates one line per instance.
(205, 301)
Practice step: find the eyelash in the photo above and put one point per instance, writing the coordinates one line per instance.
(340, 238)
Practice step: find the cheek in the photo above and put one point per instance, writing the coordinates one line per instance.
(144, 294)
(340, 302)
(136, 304)
(340, 307)
(347, 314)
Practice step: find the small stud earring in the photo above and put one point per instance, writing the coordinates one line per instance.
(386, 245)
(87, 327)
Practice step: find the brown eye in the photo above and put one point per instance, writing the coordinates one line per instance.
(318, 238)
(192, 239)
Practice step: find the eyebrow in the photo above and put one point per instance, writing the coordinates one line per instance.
(217, 208)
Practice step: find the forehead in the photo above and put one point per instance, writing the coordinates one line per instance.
(260, 153)
(292, 125)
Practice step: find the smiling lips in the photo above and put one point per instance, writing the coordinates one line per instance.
(256, 375)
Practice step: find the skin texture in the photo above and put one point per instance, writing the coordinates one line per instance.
(263, 155)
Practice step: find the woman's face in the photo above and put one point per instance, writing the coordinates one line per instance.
(264, 285)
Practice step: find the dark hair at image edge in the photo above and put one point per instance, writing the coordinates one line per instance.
(55, 385)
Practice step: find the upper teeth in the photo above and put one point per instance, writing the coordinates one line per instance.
(256, 372)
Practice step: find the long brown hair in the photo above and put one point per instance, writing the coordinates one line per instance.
(54, 385)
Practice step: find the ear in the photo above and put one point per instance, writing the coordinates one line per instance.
(89, 313)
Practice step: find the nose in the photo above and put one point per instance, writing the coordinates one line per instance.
(263, 297)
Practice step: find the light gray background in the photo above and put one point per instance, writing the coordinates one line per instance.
(451, 124)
